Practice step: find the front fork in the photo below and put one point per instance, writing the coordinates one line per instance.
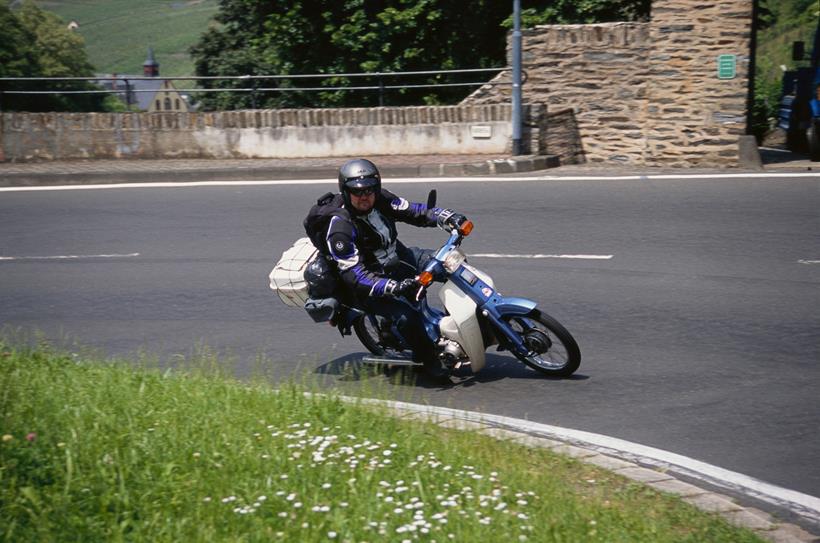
(498, 307)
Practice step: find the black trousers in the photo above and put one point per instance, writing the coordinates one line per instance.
(406, 316)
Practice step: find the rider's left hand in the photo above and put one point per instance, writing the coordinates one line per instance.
(409, 288)
(450, 220)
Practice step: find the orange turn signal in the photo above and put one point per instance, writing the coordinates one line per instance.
(466, 227)
(425, 278)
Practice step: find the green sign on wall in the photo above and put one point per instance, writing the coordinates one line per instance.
(727, 66)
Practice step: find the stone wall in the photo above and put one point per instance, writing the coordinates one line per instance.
(597, 71)
(693, 116)
(481, 129)
(561, 137)
(643, 93)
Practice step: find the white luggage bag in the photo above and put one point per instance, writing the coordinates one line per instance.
(288, 276)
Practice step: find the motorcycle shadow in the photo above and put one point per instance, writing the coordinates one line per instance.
(351, 368)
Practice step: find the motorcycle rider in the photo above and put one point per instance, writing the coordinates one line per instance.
(373, 264)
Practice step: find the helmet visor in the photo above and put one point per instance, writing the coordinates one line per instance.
(362, 183)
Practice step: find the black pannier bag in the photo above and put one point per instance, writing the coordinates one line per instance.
(321, 275)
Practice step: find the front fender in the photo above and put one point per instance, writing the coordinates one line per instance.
(513, 306)
(498, 309)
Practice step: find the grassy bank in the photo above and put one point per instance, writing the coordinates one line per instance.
(104, 452)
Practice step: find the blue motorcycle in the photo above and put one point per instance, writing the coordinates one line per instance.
(474, 317)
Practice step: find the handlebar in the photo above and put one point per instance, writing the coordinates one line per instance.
(426, 277)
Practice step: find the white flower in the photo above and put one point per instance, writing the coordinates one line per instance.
(331, 535)
(326, 485)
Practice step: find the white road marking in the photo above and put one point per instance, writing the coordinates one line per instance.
(582, 257)
(413, 180)
(808, 261)
(802, 504)
(67, 257)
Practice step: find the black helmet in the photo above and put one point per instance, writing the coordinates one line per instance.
(358, 173)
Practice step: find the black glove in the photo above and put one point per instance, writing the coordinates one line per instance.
(450, 220)
(408, 288)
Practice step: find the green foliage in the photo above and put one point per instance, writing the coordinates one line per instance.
(780, 23)
(38, 44)
(105, 452)
(18, 57)
(582, 11)
(256, 37)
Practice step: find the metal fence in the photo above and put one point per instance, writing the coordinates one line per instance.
(253, 82)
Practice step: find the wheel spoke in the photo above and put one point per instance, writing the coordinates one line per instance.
(547, 349)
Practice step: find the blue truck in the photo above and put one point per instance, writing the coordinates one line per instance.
(799, 113)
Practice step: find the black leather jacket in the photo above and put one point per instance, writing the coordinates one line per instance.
(365, 246)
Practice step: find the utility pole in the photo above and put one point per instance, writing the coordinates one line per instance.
(516, 75)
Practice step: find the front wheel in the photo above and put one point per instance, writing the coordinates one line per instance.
(552, 349)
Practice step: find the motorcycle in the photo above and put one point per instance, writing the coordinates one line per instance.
(475, 316)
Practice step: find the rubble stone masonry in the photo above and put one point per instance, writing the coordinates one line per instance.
(641, 93)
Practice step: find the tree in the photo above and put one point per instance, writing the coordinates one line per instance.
(288, 37)
(583, 11)
(36, 43)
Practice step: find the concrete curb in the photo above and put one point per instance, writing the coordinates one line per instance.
(262, 173)
(641, 470)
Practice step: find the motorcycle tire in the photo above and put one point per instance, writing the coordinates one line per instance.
(553, 350)
(367, 329)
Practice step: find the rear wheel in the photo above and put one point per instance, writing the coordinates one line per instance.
(374, 333)
(552, 349)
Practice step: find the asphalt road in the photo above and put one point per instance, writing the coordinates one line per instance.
(700, 336)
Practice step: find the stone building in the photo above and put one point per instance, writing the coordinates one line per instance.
(672, 91)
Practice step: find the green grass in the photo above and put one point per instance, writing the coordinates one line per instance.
(118, 32)
(96, 451)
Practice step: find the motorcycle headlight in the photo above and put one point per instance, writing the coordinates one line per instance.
(454, 259)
